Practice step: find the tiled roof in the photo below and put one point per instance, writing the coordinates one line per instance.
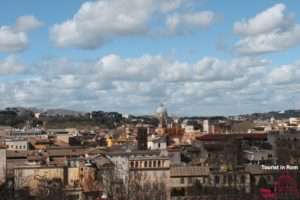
(220, 137)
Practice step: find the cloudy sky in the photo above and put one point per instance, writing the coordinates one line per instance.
(199, 57)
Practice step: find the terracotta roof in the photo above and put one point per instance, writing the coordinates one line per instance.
(16, 154)
(220, 137)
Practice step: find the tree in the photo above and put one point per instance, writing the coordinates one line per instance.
(135, 186)
(196, 189)
(262, 183)
(49, 189)
(8, 193)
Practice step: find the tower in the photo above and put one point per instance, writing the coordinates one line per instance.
(142, 138)
(2, 164)
(162, 115)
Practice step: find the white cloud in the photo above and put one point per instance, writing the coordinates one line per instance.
(137, 85)
(134, 85)
(187, 22)
(213, 69)
(286, 74)
(10, 65)
(99, 21)
(270, 42)
(113, 67)
(27, 23)
(14, 38)
(171, 5)
(272, 30)
(263, 22)
(12, 41)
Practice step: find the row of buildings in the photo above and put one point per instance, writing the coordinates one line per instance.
(176, 160)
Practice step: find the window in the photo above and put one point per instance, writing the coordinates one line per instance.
(150, 163)
(224, 179)
(235, 178)
(217, 179)
(243, 179)
(270, 156)
(158, 163)
(182, 180)
(136, 164)
(190, 180)
(146, 164)
(230, 179)
(132, 164)
(154, 163)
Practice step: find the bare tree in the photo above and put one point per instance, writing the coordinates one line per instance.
(134, 187)
(49, 189)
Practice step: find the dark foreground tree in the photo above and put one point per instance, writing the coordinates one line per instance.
(7, 193)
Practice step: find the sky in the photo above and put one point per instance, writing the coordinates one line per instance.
(198, 57)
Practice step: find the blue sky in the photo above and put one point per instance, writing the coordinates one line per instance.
(206, 57)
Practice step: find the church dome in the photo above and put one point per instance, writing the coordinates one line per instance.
(161, 110)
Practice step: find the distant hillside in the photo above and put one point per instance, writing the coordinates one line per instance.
(62, 112)
(276, 114)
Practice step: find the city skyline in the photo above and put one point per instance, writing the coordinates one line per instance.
(197, 57)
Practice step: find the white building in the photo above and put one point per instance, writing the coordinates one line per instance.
(260, 156)
(29, 133)
(206, 126)
(155, 143)
(17, 144)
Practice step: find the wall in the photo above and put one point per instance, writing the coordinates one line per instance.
(2, 165)
(17, 145)
(29, 177)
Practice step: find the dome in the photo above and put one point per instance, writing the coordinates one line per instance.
(161, 109)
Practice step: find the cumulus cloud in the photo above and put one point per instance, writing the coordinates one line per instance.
(171, 5)
(270, 42)
(135, 85)
(12, 41)
(27, 23)
(286, 74)
(213, 69)
(14, 38)
(189, 21)
(97, 22)
(10, 65)
(272, 30)
(264, 22)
